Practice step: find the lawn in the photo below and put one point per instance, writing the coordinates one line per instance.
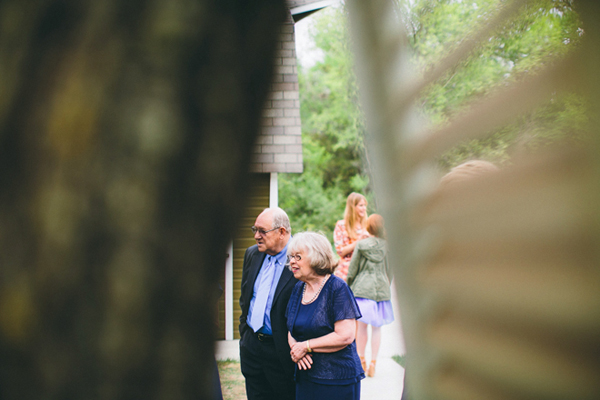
(400, 359)
(232, 380)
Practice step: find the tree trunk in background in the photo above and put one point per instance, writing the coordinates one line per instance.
(125, 130)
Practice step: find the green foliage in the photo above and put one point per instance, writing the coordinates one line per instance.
(544, 31)
(332, 133)
(332, 123)
(400, 359)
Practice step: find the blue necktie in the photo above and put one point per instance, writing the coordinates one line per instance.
(260, 304)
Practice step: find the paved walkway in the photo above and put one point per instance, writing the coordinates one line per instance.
(388, 381)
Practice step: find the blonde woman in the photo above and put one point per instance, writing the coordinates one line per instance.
(350, 230)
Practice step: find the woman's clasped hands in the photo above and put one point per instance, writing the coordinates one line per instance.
(301, 356)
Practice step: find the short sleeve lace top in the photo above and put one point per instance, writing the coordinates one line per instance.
(335, 302)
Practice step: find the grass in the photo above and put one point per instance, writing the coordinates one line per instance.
(232, 380)
(400, 359)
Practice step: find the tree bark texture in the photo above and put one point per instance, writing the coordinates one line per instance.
(125, 136)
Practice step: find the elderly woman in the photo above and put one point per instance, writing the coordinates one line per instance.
(321, 319)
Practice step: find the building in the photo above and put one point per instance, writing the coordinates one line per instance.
(278, 150)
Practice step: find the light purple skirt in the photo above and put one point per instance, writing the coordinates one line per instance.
(375, 313)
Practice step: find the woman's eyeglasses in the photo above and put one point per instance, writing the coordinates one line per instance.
(261, 232)
(296, 257)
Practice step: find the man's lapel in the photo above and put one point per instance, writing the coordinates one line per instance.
(254, 269)
(286, 275)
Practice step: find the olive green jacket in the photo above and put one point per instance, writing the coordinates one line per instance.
(369, 274)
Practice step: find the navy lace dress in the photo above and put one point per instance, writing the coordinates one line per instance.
(333, 375)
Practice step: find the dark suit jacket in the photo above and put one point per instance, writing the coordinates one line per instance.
(253, 260)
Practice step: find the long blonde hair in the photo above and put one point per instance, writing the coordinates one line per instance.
(350, 217)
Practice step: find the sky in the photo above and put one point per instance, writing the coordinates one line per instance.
(306, 52)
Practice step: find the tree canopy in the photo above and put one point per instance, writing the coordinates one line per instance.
(332, 132)
(543, 31)
(333, 129)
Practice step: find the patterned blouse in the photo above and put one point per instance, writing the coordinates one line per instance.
(340, 240)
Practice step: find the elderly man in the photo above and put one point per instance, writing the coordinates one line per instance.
(266, 288)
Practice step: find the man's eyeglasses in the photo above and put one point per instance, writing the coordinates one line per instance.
(296, 257)
(261, 232)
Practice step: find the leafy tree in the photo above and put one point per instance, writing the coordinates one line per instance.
(333, 129)
(332, 132)
(544, 31)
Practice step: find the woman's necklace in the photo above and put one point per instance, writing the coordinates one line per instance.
(316, 293)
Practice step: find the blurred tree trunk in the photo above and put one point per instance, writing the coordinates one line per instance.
(125, 129)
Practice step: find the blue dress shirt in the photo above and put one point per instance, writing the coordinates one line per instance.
(280, 260)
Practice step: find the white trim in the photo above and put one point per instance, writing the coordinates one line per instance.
(313, 6)
(229, 293)
(274, 192)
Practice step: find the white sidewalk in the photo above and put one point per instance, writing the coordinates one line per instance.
(388, 381)
(227, 349)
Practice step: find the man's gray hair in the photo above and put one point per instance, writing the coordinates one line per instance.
(280, 219)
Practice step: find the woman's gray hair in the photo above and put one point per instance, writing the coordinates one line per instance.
(280, 219)
(316, 249)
